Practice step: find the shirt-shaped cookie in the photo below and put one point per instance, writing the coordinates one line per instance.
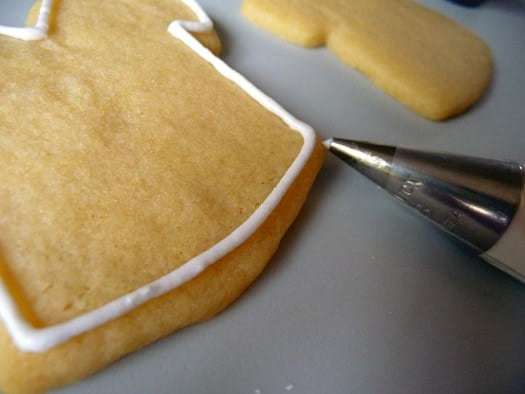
(144, 184)
(423, 59)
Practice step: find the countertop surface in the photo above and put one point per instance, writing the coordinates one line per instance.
(363, 296)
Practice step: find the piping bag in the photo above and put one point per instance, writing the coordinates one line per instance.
(479, 201)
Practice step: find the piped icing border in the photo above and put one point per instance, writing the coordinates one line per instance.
(37, 32)
(36, 340)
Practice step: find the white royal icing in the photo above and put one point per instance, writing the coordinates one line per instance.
(37, 32)
(30, 339)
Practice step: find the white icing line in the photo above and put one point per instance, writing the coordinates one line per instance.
(30, 339)
(37, 32)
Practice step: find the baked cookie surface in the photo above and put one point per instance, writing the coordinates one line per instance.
(124, 155)
(423, 59)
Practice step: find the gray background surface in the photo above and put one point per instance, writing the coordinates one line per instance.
(362, 297)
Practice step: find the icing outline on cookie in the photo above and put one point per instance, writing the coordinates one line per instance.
(37, 340)
(35, 33)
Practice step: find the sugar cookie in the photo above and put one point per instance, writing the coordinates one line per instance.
(425, 60)
(144, 184)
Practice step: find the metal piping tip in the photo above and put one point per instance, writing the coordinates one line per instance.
(373, 161)
(473, 199)
(328, 143)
